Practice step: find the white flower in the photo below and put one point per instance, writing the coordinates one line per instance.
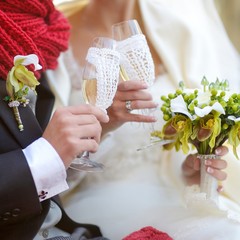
(27, 60)
(203, 98)
(178, 105)
(233, 118)
(201, 112)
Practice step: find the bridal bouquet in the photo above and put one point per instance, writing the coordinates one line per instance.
(202, 118)
(205, 118)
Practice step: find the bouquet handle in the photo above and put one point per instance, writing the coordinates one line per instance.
(208, 183)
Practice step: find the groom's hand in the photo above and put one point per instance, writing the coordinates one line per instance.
(75, 129)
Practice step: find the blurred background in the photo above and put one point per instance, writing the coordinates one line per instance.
(229, 11)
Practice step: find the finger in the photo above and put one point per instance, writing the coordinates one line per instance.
(218, 174)
(80, 109)
(92, 131)
(76, 132)
(195, 162)
(221, 151)
(89, 110)
(121, 115)
(89, 145)
(191, 165)
(131, 85)
(82, 119)
(143, 104)
(134, 95)
(216, 163)
(70, 120)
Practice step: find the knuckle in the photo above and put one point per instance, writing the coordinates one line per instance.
(135, 95)
(58, 113)
(93, 118)
(71, 146)
(114, 108)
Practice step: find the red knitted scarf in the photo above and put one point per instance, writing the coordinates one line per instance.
(31, 26)
(148, 233)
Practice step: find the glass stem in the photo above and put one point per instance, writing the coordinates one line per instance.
(85, 154)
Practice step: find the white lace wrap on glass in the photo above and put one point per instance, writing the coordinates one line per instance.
(106, 62)
(136, 59)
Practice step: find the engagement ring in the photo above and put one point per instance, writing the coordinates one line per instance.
(128, 106)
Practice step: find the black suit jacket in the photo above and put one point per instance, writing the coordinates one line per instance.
(21, 213)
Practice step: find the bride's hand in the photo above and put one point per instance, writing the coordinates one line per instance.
(191, 167)
(136, 93)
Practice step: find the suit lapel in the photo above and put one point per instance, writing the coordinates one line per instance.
(44, 103)
(32, 127)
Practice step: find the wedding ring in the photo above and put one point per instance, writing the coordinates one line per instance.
(128, 106)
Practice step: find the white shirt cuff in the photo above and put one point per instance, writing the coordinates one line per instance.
(47, 168)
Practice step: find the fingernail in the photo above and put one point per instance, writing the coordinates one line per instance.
(208, 162)
(218, 151)
(210, 170)
(220, 189)
(144, 85)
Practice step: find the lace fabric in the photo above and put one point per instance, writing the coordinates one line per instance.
(106, 62)
(136, 59)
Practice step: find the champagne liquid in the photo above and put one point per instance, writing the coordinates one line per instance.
(89, 89)
(123, 74)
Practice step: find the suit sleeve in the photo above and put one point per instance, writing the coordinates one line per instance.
(18, 196)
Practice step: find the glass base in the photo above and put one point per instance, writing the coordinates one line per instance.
(85, 164)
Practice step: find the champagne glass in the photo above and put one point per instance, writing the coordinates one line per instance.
(100, 79)
(136, 60)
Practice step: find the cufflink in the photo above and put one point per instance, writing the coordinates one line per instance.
(43, 194)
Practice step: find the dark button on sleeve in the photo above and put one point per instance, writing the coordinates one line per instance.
(6, 216)
(16, 212)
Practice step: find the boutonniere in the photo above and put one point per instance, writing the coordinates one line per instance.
(19, 81)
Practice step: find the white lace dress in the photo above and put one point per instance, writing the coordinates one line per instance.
(142, 188)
